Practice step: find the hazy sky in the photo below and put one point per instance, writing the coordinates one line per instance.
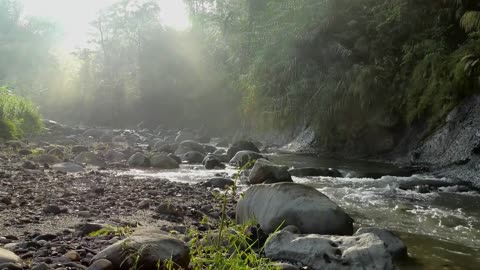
(74, 16)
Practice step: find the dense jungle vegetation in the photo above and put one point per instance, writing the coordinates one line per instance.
(357, 71)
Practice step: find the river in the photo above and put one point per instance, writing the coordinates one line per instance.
(441, 229)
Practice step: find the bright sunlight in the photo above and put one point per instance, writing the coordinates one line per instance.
(74, 16)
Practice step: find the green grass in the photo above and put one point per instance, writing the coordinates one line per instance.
(18, 116)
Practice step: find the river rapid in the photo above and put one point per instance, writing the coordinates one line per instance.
(441, 229)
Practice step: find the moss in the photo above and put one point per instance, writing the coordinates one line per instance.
(8, 130)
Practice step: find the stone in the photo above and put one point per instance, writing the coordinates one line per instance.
(211, 162)
(30, 165)
(88, 228)
(58, 152)
(221, 183)
(95, 133)
(303, 172)
(101, 264)
(166, 209)
(245, 159)
(286, 204)
(90, 159)
(7, 256)
(10, 266)
(163, 161)
(184, 136)
(193, 157)
(175, 157)
(322, 252)
(138, 160)
(52, 209)
(265, 171)
(72, 256)
(41, 266)
(209, 148)
(393, 243)
(241, 146)
(25, 152)
(153, 246)
(285, 266)
(68, 167)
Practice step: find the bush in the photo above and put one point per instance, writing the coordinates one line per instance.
(18, 116)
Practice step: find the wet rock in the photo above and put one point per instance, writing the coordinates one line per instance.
(101, 264)
(77, 149)
(221, 183)
(193, 157)
(138, 160)
(10, 266)
(175, 157)
(90, 159)
(153, 248)
(303, 172)
(184, 136)
(41, 266)
(163, 161)
(245, 159)
(220, 152)
(393, 243)
(293, 204)
(7, 256)
(209, 148)
(265, 171)
(68, 167)
(241, 146)
(211, 162)
(427, 185)
(52, 209)
(322, 252)
(223, 143)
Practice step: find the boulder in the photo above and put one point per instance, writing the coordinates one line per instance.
(189, 146)
(153, 248)
(209, 148)
(68, 167)
(193, 157)
(163, 161)
(167, 148)
(303, 172)
(223, 143)
(114, 156)
(241, 146)
(89, 158)
(138, 160)
(212, 162)
(322, 252)
(244, 158)
(7, 256)
(393, 243)
(265, 171)
(58, 152)
(175, 157)
(284, 204)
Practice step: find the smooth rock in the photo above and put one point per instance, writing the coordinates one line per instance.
(303, 172)
(245, 159)
(393, 243)
(163, 161)
(241, 146)
(7, 256)
(138, 160)
(286, 204)
(265, 171)
(77, 149)
(221, 183)
(322, 252)
(193, 157)
(101, 264)
(153, 246)
(90, 159)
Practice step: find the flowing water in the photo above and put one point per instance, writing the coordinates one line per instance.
(441, 229)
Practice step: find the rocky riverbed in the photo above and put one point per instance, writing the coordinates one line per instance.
(77, 198)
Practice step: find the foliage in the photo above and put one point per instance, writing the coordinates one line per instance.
(346, 67)
(121, 231)
(18, 116)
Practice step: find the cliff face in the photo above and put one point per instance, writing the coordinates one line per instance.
(453, 150)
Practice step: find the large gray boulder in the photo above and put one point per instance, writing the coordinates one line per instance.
(68, 167)
(188, 146)
(243, 158)
(138, 160)
(322, 252)
(193, 157)
(7, 256)
(393, 243)
(115, 156)
(184, 136)
(163, 161)
(77, 149)
(90, 159)
(153, 248)
(241, 146)
(212, 161)
(302, 172)
(46, 158)
(266, 172)
(284, 204)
